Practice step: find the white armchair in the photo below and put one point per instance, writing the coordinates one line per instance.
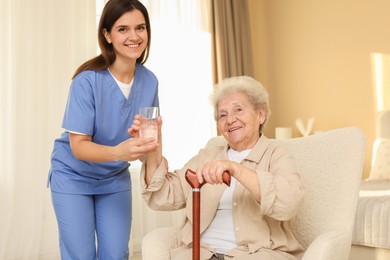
(331, 165)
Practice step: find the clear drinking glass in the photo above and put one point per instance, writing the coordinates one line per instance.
(149, 124)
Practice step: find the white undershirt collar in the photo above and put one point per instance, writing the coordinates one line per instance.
(124, 87)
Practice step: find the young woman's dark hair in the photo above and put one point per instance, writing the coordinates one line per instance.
(112, 11)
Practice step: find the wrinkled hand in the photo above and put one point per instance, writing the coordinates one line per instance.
(135, 126)
(212, 171)
(140, 147)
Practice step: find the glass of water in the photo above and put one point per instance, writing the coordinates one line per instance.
(149, 124)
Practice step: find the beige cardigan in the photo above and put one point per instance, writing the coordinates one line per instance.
(257, 226)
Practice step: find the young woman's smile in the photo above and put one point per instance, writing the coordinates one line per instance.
(128, 36)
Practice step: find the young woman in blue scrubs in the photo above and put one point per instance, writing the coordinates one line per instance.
(89, 176)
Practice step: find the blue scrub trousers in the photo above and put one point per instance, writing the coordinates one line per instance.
(80, 217)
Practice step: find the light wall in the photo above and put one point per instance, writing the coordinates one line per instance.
(316, 59)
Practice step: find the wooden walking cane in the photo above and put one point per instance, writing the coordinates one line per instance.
(195, 185)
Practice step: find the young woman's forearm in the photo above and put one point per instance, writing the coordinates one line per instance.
(90, 151)
(129, 150)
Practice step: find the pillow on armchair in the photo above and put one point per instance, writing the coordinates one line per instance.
(381, 168)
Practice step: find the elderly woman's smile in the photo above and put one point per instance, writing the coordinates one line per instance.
(238, 120)
(248, 216)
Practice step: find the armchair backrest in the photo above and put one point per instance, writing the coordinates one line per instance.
(330, 165)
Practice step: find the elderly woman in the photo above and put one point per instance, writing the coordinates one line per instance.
(249, 219)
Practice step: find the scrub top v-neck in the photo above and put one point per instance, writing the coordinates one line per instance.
(97, 107)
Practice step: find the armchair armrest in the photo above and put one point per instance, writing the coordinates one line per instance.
(157, 243)
(333, 244)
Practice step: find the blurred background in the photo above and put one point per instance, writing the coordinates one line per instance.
(324, 59)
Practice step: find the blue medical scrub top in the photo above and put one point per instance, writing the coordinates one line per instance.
(96, 106)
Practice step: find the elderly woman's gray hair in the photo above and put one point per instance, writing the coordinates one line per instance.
(256, 93)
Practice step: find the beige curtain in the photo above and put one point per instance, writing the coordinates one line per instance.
(232, 49)
(41, 44)
(180, 58)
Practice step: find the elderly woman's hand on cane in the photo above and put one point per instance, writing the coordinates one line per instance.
(196, 186)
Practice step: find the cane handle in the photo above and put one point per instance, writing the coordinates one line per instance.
(194, 183)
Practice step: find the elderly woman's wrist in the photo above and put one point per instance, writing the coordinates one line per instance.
(153, 159)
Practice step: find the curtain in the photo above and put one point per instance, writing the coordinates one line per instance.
(180, 56)
(232, 49)
(41, 44)
(381, 71)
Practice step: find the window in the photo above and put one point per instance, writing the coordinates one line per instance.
(180, 56)
(381, 69)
